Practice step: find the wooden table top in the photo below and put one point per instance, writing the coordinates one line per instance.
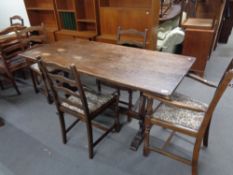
(144, 70)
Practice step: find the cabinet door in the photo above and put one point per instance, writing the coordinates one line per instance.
(111, 18)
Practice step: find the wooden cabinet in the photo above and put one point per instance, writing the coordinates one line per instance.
(201, 29)
(43, 11)
(136, 14)
(198, 43)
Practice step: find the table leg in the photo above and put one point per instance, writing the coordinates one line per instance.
(140, 134)
(1, 122)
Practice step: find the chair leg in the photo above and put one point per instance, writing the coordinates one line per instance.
(34, 81)
(63, 127)
(90, 139)
(1, 85)
(206, 137)
(196, 156)
(15, 86)
(117, 120)
(146, 150)
(99, 85)
(130, 104)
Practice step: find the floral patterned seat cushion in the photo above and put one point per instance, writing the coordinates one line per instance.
(94, 101)
(180, 116)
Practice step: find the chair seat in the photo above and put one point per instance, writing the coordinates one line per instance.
(179, 116)
(94, 101)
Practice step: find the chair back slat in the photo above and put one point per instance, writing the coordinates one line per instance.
(62, 79)
(67, 91)
(19, 20)
(131, 42)
(33, 35)
(61, 85)
(70, 103)
(9, 45)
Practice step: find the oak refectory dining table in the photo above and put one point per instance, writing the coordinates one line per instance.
(143, 70)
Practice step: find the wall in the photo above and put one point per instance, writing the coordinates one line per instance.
(10, 8)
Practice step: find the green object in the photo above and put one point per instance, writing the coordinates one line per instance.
(68, 20)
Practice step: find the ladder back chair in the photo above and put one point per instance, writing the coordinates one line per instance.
(184, 115)
(84, 104)
(126, 37)
(33, 37)
(10, 47)
(16, 20)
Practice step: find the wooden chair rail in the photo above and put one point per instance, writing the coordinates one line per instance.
(202, 80)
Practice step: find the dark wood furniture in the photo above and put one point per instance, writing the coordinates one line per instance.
(84, 104)
(203, 19)
(124, 37)
(227, 25)
(43, 11)
(10, 47)
(32, 37)
(16, 20)
(137, 69)
(184, 115)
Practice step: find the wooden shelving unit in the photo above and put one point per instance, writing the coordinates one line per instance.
(88, 19)
(136, 14)
(77, 18)
(43, 11)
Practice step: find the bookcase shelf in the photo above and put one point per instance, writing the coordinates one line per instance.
(47, 17)
(65, 4)
(125, 3)
(65, 10)
(43, 11)
(43, 4)
(86, 20)
(40, 9)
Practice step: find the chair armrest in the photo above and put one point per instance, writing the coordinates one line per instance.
(176, 103)
(202, 80)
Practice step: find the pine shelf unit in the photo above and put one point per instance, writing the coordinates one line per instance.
(95, 19)
(77, 18)
(43, 11)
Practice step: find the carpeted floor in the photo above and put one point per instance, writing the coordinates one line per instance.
(30, 142)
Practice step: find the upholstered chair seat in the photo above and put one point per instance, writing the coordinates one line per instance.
(94, 101)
